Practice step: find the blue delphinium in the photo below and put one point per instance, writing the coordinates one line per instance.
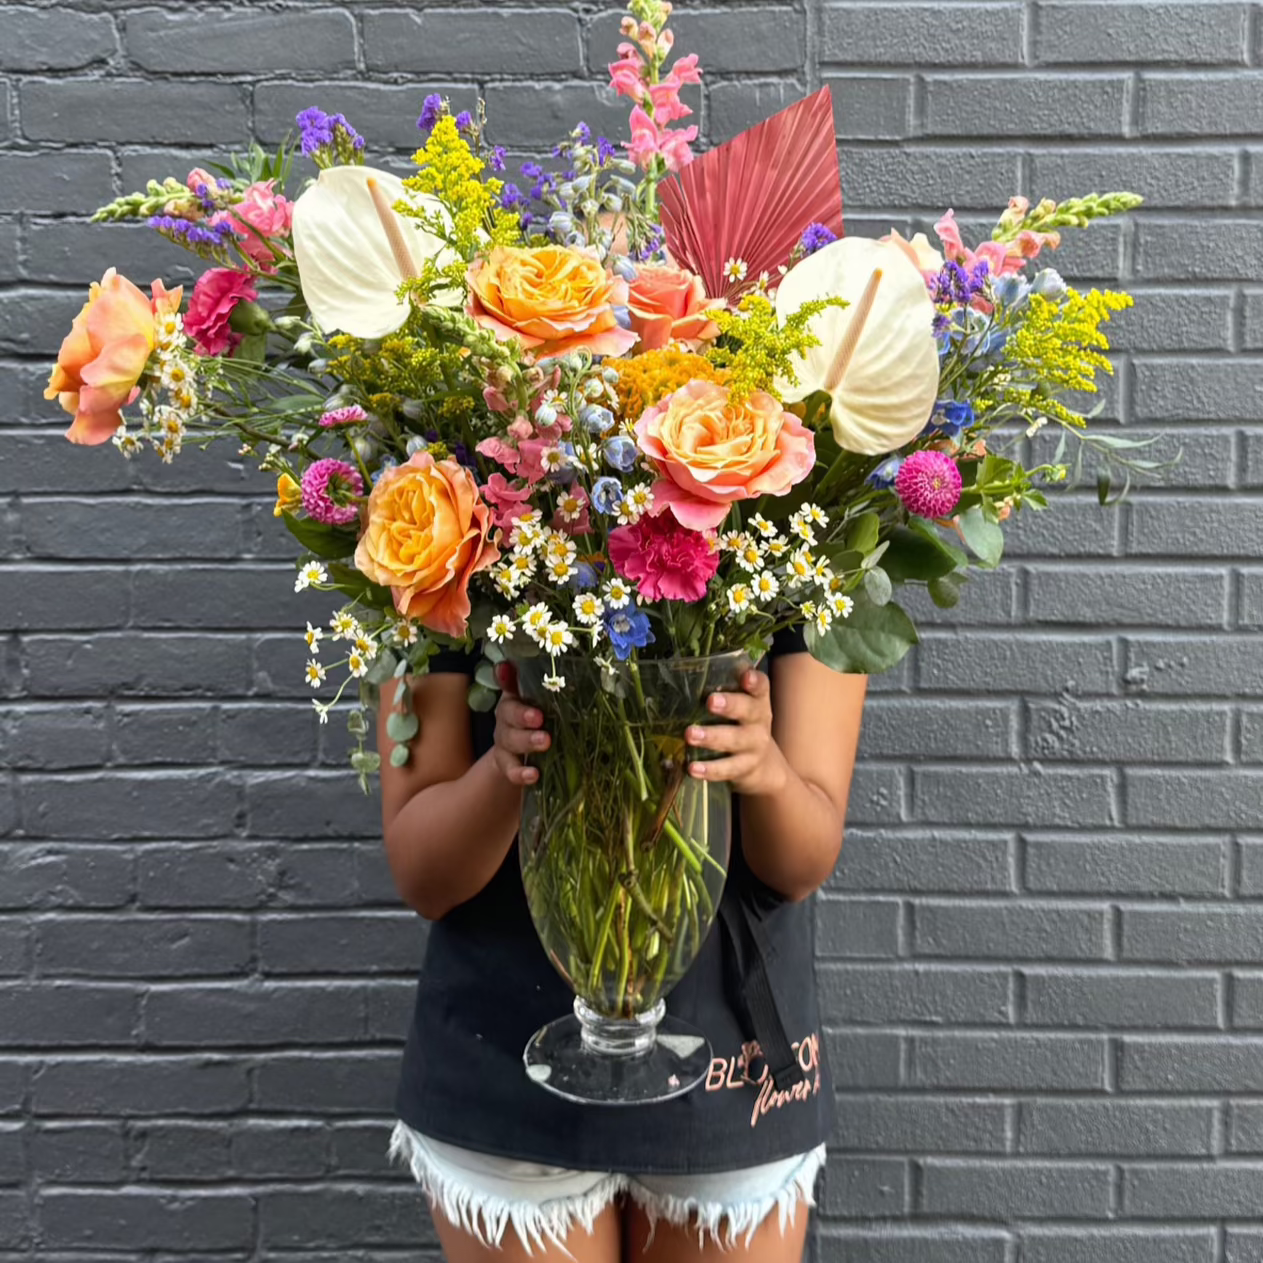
(950, 418)
(883, 477)
(607, 495)
(595, 418)
(628, 629)
(620, 452)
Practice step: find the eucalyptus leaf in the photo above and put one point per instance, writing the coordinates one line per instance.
(984, 537)
(482, 698)
(355, 724)
(493, 652)
(381, 668)
(912, 556)
(863, 532)
(485, 674)
(875, 556)
(366, 760)
(877, 585)
(323, 541)
(400, 690)
(872, 640)
(399, 755)
(353, 583)
(402, 725)
(945, 590)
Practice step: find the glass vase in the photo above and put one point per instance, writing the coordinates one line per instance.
(624, 858)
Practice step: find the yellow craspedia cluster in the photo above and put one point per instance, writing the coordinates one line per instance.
(645, 380)
(1062, 343)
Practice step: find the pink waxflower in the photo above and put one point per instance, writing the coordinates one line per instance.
(664, 559)
(329, 488)
(344, 416)
(214, 299)
(262, 216)
(505, 499)
(928, 483)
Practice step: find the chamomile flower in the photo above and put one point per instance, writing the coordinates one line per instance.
(168, 329)
(617, 594)
(840, 604)
(750, 555)
(808, 610)
(588, 608)
(800, 525)
(731, 540)
(184, 398)
(739, 598)
(504, 579)
(822, 571)
(559, 544)
(763, 526)
(175, 373)
(321, 709)
(366, 646)
(801, 568)
(557, 638)
(570, 506)
(308, 573)
(521, 566)
(766, 585)
(815, 514)
(776, 547)
(535, 622)
(406, 633)
(168, 449)
(636, 502)
(553, 460)
(315, 673)
(559, 569)
(824, 616)
(313, 636)
(526, 536)
(356, 663)
(344, 625)
(735, 270)
(500, 629)
(554, 683)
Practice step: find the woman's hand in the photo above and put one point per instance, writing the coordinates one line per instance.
(519, 731)
(754, 763)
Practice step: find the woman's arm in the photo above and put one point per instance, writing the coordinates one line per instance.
(790, 756)
(448, 820)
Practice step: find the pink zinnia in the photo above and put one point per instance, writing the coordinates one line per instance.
(214, 299)
(664, 559)
(327, 486)
(928, 483)
(344, 416)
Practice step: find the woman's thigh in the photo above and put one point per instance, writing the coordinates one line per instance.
(601, 1245)
(671, 1243)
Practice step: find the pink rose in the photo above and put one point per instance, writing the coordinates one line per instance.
(711, 451)
(214, 299)
(669, 304)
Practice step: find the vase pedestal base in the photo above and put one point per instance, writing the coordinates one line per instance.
(597, 1060)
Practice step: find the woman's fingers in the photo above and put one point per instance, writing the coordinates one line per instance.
(515, 713)
(726, 737)
(735, 768)
(514, 771)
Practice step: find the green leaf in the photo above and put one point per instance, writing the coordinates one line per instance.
(778, 508)
(1102, 486)
(381, 668)
(481, 698)
(253, 349)
(399, 755)
(485, 674)
(402, 725)
(400, 689)
(324, 541)
(355, 724)
(874, 639)
(914, 556)
(877, 586)
(863, 532)
(493, 652)
(945, 590)
(353, 583)
(984, 537)
(840, 557)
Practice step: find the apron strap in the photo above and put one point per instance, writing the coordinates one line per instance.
(750, 950)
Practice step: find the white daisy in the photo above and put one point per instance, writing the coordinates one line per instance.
(557, 638)
(766, 585)
(801, 568)
(315, 673)
(617, 594)
(553, 459)
(559, 569)
(763, 526)
(344, 626)
(814, 513)
(184, 398)
(800, 525)
(314, 636)
(777, 546)
(128, 444)
(168, 327)
(535, 621)
(588, 608)
(841, 605)
(554, 683)
(356, 663)
(570, 507)
(824, 616)
(526, 537)
(636, 502)
(739, 598)
(505, 580)
(366, 645)
(731, 540)
(735, 270)
(406, 633)
(750, 555)
(321, 710)
(309, 573)
(521, 566)
(501, 628)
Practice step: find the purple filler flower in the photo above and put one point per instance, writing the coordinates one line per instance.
(186, 232)
(816, 237)
(928, 483)
(327, 487)
(431, 110)
(464, 121)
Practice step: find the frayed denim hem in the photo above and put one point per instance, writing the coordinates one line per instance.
(490, 1195)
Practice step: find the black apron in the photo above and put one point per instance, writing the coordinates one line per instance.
(486, 986)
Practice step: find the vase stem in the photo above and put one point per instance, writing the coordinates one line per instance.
(619, 1036)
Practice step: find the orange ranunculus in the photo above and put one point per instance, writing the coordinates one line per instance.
(669, 304)
(426, 537)
(711, 451)
(104, 354)
(553, 299)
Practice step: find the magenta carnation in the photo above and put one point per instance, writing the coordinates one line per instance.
(928, 483)
(214, 299)
(327, 486)
(664, 559)
(344, 416)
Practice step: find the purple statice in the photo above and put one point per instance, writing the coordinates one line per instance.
(605, 150)
(512, 197)
(583, 134)
(464, 121)
(431, 112)
(497, 158)
(650, 246)
(316, 128)
(816, 237)
(204, 197)
(955, 286)
(188, 233)
(328, 138)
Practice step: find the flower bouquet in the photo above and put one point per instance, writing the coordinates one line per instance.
(622, 420)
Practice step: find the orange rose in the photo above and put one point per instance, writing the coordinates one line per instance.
(104, 355)
(669, 304)
(711, 451)
(425, 539)
(553, 299)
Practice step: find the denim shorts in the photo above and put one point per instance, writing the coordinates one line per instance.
(485, 1195)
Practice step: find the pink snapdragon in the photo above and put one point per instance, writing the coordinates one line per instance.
(657, 101)
(1003, 258)
(505, 499)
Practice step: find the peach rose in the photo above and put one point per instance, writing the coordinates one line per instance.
(103, 357)
(711, 451)
(669, 304)
(426, 537)
(553, 299)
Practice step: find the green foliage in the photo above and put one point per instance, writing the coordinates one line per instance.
(873, 639)
(319, 539)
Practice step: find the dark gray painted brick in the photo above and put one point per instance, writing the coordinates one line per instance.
(857, 928)
(1176, 251)
(154, 805)
(977, 661)
(145, 1219)
(1226, 666)
(1247, 999)
(1175, 597)
(738, 104)
(44, 39)
(78, 182)
(535, 114)
(75, 1153)
(1006, 1191)
(923, 1124)
(1077, 33)
(1129, 731)
(863, 1059)
(304, 1218)
(1010, 795)
(141, 1085)
(903, 727)
(896, 1244)
(41, 600)
(1119, 1245)
(353, 1081)
(1194, 799)
(1202, 105)
(868, 994)
(1245, 1127)
(741, 39)
(994, 930)
(1158, 1128)
(39, 875)
(1110, 998)
(1059, 864)
(1232, 528)
(240, 42)
(1180, 177)
(56, 737)
(1243, 1245)
(14, 1220)
(1207, 1064)
(916, 177)
(234, 1015)
(871, 107)
(472, 42)
(362, 944)
(164, 733)
(115, 530)
(50, 1015)
(1202, 320)
(955, 860)
(1187, 1191)
(142, 947)
(1009, 1062)
(1191, 934)
(1026, 105)
(922, 35)
(865, 1188)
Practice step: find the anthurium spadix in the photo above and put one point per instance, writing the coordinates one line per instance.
(353, 250)
(877, 357)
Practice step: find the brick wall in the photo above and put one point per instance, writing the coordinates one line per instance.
(1042, 954)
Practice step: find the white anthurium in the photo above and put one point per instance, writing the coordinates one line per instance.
(353, 250)
(877, 358)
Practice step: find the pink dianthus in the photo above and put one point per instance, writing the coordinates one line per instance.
(344, 416)
(214, 299)
(928, 483)
(664, 559)
(327, 486)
